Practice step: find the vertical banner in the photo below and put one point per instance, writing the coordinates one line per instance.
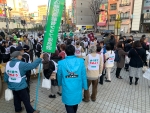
(52, 26)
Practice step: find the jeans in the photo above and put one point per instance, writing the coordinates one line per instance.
(118, 72)
(22, 95)
(71, 109)
(94, 90)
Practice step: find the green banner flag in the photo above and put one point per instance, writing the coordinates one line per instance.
(52, 26)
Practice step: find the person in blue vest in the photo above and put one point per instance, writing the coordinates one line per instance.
(71, 76)
(16, 80)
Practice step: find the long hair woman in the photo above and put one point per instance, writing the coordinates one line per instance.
(137, 57)
(121, 62)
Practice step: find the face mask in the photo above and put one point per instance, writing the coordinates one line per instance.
(15, 44)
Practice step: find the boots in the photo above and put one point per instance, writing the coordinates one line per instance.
(37, 111)
(136, 80)
(130, 80)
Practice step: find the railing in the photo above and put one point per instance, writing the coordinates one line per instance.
(123, 18)
(126, 4)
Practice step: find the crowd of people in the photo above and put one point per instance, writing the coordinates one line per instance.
(77, 63)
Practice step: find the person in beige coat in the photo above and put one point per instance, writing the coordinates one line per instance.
(110, 57)
(94, 67)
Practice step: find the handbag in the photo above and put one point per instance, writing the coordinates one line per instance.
(46, 83)
(127, 60)
(8, 95)
(144, 69)
(83, 54)
(147, 74)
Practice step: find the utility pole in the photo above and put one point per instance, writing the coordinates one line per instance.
(7, 21)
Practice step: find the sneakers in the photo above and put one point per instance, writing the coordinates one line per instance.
(37, 111)
(52, 96)
(59, 93)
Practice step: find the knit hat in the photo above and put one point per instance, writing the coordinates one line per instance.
(16, 54)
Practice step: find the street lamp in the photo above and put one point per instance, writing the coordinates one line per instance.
(7, 20)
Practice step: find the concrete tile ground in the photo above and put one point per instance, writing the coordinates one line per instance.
(115, 97)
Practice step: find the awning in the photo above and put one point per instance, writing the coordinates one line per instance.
(102, 24)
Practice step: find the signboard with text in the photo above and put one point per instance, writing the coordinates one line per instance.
(103, 15)
(52, 26)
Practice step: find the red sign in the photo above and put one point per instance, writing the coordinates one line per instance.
(2, 1)
(91, 36)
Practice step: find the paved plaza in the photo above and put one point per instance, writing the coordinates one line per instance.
(115, 97)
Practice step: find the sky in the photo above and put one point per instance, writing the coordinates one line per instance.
(34, 3)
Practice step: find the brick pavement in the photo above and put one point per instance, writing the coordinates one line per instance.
(115, 97)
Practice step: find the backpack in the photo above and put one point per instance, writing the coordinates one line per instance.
(117, 58)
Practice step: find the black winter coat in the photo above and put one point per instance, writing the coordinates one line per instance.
(49, 71)
(137, 57)
(145, 47)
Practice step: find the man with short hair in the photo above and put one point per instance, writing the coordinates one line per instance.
(29, 43)
(71, 76)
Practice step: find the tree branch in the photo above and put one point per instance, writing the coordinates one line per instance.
(95, 6)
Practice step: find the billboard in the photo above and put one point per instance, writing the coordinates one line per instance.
(146, 7)
(103, 15)
(2, 1)
(2, 12)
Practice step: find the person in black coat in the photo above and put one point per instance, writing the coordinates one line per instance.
(112, 41)
(128, 45)
(39, 48)
(26, 58)
(137, 57)
(144, 42)
(2, 51)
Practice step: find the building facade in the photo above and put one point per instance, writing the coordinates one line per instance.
(42, 12)
(126, 11)
(114, 7)
(82, 14)
(112, 12)
(145, 24)
(137, 12)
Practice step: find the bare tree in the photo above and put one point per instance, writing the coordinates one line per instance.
(94, 6)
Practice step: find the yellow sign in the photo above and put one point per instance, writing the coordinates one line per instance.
(118, 22)
(89, 27)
